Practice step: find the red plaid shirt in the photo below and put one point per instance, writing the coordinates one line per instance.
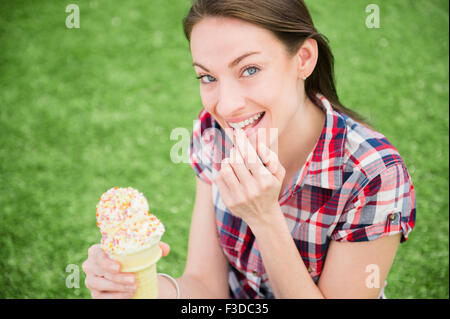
(354, 186)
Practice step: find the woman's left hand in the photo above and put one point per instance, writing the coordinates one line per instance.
(249, 188)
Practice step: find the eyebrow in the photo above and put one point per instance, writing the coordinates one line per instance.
(232, 64)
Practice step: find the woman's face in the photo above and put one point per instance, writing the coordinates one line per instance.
(245, 72)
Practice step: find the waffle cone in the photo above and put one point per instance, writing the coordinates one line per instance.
(143, 264)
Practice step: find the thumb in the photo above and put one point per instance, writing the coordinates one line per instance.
(165, 248)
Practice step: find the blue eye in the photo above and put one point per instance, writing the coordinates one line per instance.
(251, 70)
(209, 77)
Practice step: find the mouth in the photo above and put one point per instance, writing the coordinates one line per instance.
(248, 123)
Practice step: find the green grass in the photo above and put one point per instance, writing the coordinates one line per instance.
(82, 110)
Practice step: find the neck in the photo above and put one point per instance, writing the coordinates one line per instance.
(299, 138)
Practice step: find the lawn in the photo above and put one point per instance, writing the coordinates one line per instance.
(82, 110)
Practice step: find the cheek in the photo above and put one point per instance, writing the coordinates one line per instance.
(208, 98)
(268, 90)
(265, 96)
(276, 94)
(276, 88)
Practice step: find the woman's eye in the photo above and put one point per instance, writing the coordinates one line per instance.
(208, 78)
(251, 70)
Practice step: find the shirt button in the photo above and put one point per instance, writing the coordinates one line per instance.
(255, 273)
(392, 217)
(310, 269)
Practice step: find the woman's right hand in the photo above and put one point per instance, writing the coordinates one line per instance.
(103, 276)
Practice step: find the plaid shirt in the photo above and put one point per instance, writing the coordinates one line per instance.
(354, 186)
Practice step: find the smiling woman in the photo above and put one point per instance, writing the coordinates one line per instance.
(296, 196)
(331, 178)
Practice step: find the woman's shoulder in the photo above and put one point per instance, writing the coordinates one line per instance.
(378, 185)
(367, 150)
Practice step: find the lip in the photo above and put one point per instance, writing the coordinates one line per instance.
(242, 118)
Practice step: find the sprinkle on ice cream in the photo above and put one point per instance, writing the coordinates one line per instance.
(125, 222)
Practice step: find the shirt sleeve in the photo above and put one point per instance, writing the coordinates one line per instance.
(384, 207)
(201, 147)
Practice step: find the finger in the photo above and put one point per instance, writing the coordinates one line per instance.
(111, 295)
(104, 284)
(264, 153)
(249, 154)
(123, 278)
(165, 248)
(240, 169)
(271, 161)
(222, 188)
(106, 263)
(229, 177)
(90, 267)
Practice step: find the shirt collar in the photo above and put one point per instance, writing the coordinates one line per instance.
(324, 165)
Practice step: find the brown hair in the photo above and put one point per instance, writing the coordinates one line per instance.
(291, 23)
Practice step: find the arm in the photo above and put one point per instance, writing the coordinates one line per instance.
(206, 272)
(350, 267)
(344, 274)
(250, 190)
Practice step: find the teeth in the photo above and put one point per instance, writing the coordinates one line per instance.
(246, 122)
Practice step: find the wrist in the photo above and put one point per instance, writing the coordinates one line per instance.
(273, 219)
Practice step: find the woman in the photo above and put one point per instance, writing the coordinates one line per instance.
(315, 207)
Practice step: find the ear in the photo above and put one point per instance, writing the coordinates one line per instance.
(307, 57)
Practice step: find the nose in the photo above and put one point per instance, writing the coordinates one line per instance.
(231, 100)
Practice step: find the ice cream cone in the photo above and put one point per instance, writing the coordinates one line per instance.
(131, 235)
(143, 264)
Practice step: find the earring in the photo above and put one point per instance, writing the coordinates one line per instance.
(304, 78)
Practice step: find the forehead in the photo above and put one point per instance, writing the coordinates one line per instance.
(226, 38)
